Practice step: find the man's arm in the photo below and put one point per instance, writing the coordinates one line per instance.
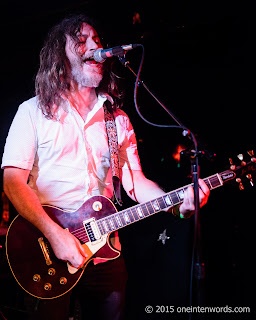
(65, 245)
(141, 189)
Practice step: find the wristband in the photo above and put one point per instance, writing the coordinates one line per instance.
(176, 211)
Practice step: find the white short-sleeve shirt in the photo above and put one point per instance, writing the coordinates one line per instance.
(68, 158)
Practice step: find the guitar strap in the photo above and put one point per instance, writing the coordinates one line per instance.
(113, 149)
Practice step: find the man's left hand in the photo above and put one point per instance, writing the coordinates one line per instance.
(187, 208)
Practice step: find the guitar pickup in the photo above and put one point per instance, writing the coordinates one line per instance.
(92, 230)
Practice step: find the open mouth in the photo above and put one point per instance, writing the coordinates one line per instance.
(93, 65)
(90, 61)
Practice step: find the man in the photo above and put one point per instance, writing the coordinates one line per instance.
(57, 151)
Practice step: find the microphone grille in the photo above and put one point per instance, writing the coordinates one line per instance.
(97, 56)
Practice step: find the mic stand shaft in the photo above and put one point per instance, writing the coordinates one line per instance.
(197, 266)
(198, 272)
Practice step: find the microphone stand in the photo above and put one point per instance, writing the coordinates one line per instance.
(197, 266)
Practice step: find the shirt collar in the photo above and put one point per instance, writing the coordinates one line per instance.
(98, 105)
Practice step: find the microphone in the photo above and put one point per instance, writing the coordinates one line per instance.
(100, 55)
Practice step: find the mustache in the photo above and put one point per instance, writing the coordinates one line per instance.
(88, 56)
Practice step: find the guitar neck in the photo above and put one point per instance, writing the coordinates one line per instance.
(140, 211)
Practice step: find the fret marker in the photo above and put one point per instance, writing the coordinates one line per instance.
(126, 217)
(140, 212)
(181, 194)
(156, 205)
(119, 221)
(168, 201)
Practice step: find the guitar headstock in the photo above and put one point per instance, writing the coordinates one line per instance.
(244, 168)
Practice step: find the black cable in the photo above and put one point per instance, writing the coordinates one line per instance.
(137, 82)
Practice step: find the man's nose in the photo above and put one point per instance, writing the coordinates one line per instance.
(92, 45)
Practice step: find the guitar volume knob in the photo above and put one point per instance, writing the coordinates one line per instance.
(47, 286)
(36, 277)
(63, 280)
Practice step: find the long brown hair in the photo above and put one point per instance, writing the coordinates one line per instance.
(52, 80)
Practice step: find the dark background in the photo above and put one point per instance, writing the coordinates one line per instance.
(199, 60)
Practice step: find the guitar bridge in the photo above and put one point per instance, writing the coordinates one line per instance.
(45, 251)
(92, 229)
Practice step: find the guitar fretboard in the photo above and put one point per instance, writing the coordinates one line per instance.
(138, 212)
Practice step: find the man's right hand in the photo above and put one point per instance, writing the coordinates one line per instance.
(67, 247)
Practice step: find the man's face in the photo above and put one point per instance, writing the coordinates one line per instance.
(85, 71)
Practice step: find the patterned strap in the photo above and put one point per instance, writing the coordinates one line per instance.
(113, 150)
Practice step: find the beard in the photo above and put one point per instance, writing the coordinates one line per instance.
(86, 75)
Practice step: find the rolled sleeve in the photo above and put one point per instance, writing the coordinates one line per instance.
(20, 146)
(128, 152)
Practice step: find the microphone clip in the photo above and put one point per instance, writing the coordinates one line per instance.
(123, 60)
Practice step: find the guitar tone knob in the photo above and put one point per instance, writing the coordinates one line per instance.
(36, 277)
(63, 280)
(47, 286)
(51, 271)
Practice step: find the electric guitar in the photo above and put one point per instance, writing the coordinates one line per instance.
(41, 274)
